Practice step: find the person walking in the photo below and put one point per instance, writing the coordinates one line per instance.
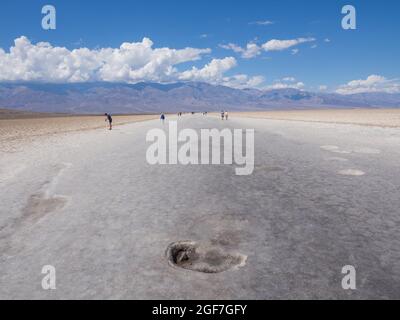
(226, 115)
(109, 119)
(222, 114)
(162, 118)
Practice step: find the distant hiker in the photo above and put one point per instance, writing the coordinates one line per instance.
(222, 114)
(162, 118)
(109, 119)
(226, 115)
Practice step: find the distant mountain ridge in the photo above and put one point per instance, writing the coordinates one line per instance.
(181, 96)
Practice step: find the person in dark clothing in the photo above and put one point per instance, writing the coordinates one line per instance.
(109, 119)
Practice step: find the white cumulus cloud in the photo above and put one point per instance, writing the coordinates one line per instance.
(282, 85)
(286, 83)
(250, 51)
(279, 45)
(242, 81)
(374, 83)
(214, 71)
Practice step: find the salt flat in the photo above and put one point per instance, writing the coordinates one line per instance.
(25, 128)
(367, 117)
(322, 196)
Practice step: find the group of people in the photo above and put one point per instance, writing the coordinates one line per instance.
(224, 116)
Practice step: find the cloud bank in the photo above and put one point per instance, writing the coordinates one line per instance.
(374, 83)
(141, 62)
(130, 63)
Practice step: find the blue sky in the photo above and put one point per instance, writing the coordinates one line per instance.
(372, 49)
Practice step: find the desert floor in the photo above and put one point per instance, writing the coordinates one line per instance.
(86, 201)
(370, 117)
(16, 130)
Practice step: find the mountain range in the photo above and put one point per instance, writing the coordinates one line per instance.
(87, 98)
